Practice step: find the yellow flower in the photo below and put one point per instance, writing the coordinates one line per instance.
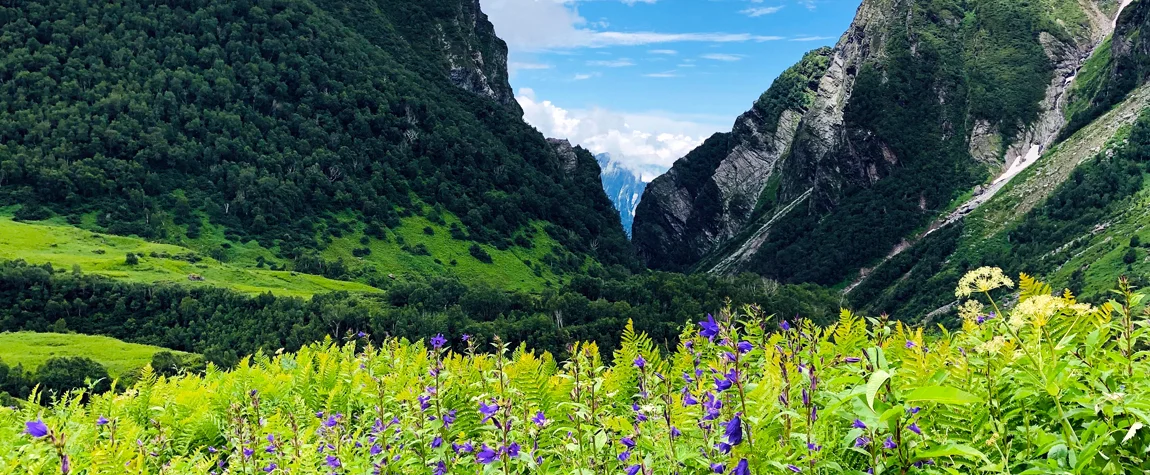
(1038, 310)
(993, 346)
(982, 279)
(970, 309)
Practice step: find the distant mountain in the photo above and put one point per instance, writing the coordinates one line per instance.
(622, 186)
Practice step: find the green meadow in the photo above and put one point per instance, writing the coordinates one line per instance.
(33, 349)
(67, 247)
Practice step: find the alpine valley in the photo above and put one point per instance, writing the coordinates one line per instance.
(318, 237)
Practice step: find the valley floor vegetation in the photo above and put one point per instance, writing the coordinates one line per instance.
(223, 324)
(1051, 385)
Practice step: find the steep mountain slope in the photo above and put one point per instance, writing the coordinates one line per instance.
(623, 187)
(1077, 216)
(295, 125)
(919, 101)
(1117, 66)
(708, 195)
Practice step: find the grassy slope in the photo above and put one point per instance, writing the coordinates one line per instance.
(1103, 249)
(66, 246)
(1088, 81)
(509, 268)
(33, 349)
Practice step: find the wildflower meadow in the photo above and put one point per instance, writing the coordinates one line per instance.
(1051, 385)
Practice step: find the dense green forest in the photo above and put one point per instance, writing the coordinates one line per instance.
(224, 325)
(267, 118)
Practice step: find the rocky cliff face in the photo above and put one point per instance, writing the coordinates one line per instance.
(450, 39)
(711, 193)
(623, 187)
(565, 153)
(476, 58)
(822, 134)
(915, 104)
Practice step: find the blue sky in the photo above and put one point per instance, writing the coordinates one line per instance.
(648, 80)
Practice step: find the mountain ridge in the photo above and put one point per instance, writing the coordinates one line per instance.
(893, 135)
(622, 186)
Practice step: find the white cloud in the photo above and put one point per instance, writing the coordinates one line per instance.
(612, 63)
(537, 25)
(584, 76)
(812, 38)
(645, 143)
(608, 38)
(514, 66)
(666, 74)
(669, 52)
(722, 57)
(760, 11)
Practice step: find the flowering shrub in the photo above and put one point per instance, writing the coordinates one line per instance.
(1054, 386)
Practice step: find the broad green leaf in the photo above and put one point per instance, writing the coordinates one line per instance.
(1089, 452)
(951, 450)
(891, 413)
(942, 395)
(876, 380)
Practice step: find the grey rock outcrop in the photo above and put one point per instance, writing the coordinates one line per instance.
(477, 59)
(709, 195)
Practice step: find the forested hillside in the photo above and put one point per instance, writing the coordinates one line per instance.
(231, 177)
(1076, 216)
(279, 122)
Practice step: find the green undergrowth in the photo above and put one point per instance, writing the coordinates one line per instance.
(1032, 388)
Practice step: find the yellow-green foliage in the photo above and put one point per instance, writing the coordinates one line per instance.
(1051, 386)
(66, 246)
(33, 349)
